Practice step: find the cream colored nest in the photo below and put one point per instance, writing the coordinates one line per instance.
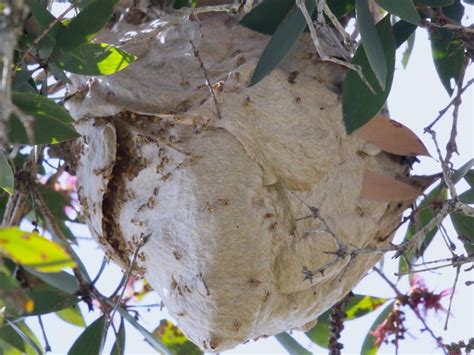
(223, 183)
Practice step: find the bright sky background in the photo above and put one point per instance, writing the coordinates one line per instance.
(416, 97)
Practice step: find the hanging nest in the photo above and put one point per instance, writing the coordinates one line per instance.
(240, 189)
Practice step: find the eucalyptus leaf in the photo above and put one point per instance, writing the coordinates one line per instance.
(91, 339)
(408, 50)
(20, 336)
(448, 52)
(464, 226)
(174, 339)
(282, 42)
(467, 196)
(359, 104)
(33, 250)
(6, 174)
(12, 296)
(267, 16)
(435, 3)
(405, 9)
(372, 42)
(291, 345)
(44, 18)
(72, 315)
(119, 345)
(356, 307)
(48, 299)
(369, 347)
(60, 280)
(469, 177)
(95, 59)
(427, 210)
(82, 28)
(149, 337)
(51, 124)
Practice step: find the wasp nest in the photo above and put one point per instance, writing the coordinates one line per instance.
(221, 176)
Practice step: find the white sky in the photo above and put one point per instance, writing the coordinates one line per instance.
(416, 97)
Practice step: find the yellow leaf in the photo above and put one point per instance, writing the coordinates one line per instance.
(31, 249)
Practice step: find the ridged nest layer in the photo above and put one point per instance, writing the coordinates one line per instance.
(222, 183)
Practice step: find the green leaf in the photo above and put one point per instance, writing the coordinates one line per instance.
(436, 197)
(402, 31)
(464, 226)
(6, 174)
(358, 306)
(467, 196)
(56, 200)
(178, 4)
(12, 296)
(469, 177)
(31, 249)
(44, 18)
(319, 334)
(21, 80)
(20, 336)
(291, 345)
(448, 53)
(149, 337)
(9, 335)
(358, 103)
(371, 42)
(60, 280)
(408, 50)
(51, 124)
(84, 26)
(267, 16)
(435, 3)
(72, 315)
(48, 299)
(369, 347)
(95, 59)
(401, 8)
(463, 171)
(427, 210)
(91, 339)
(174, 339)
(448, 57)
(341, 8)
(119, 345)
(282, 42)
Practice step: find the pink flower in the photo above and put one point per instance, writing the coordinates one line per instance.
(421, 296)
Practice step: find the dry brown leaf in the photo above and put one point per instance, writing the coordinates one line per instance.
(384, 188)
(392, 137)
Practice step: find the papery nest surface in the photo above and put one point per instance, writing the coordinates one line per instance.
(222, 177)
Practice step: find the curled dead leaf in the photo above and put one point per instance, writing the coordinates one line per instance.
(384, 188)
(392, 137)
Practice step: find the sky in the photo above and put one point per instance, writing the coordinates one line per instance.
(415, 99)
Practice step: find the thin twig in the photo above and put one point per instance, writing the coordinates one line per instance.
(47, 346)
(444, 166)
(142, 241)
(401, 297)
(46, 31)
(324, 57)
(443, 111)
(458, 269)
(451, 146)
(208, 82)
(460, 260)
